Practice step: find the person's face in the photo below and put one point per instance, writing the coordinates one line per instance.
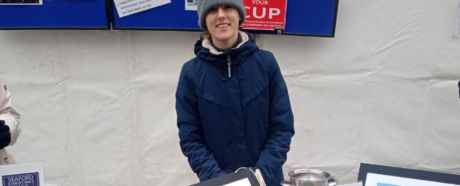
(223, 23)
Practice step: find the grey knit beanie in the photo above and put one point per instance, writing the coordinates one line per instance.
(204, 6)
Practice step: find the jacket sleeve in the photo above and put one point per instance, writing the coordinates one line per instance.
(281, 127)
(192, 143)
(9, 114)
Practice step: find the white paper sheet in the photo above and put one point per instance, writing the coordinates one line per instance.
(129, 7)
(353, 184)
(243, 182)
(191, 5)
(384, 180)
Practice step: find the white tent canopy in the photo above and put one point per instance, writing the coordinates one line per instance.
(98, 106)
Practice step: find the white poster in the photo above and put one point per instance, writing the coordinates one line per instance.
(243, 182)
(191, 5)
(129, 7)
(352, 184)
(22, 174)
(21, 2)
(384, 180)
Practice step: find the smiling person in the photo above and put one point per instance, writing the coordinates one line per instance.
(232, 103)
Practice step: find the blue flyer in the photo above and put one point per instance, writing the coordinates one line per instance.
(384, 184)
(27, 179)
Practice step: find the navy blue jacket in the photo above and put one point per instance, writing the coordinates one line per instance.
(239, 120)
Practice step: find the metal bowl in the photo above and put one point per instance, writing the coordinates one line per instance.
(310, 177)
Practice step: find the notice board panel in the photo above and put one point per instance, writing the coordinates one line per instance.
(57, 14)
(303, 17)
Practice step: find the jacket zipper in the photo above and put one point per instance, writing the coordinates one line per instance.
(229, 64)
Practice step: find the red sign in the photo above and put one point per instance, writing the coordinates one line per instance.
(265, 14)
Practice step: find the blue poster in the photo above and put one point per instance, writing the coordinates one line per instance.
(384, 184)
(27, 179)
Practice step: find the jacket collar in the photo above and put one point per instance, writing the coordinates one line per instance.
(205, 51)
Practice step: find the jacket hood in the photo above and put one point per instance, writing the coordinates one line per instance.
(206, 52)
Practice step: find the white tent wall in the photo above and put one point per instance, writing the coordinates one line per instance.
(98, 106)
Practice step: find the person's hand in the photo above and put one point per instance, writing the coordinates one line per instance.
(5, 136)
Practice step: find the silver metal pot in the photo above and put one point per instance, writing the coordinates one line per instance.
(310, 177)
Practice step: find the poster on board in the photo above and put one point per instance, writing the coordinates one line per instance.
(129, 7)
(265, 14)
(191, 5)
(21, 2)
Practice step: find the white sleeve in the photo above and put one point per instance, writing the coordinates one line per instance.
(8, 113)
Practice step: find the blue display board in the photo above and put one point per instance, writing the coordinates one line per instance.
(57, 14)
(304, 17)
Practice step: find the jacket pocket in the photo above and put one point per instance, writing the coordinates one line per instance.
(224, 162)
(211, 98)
(255, 90)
